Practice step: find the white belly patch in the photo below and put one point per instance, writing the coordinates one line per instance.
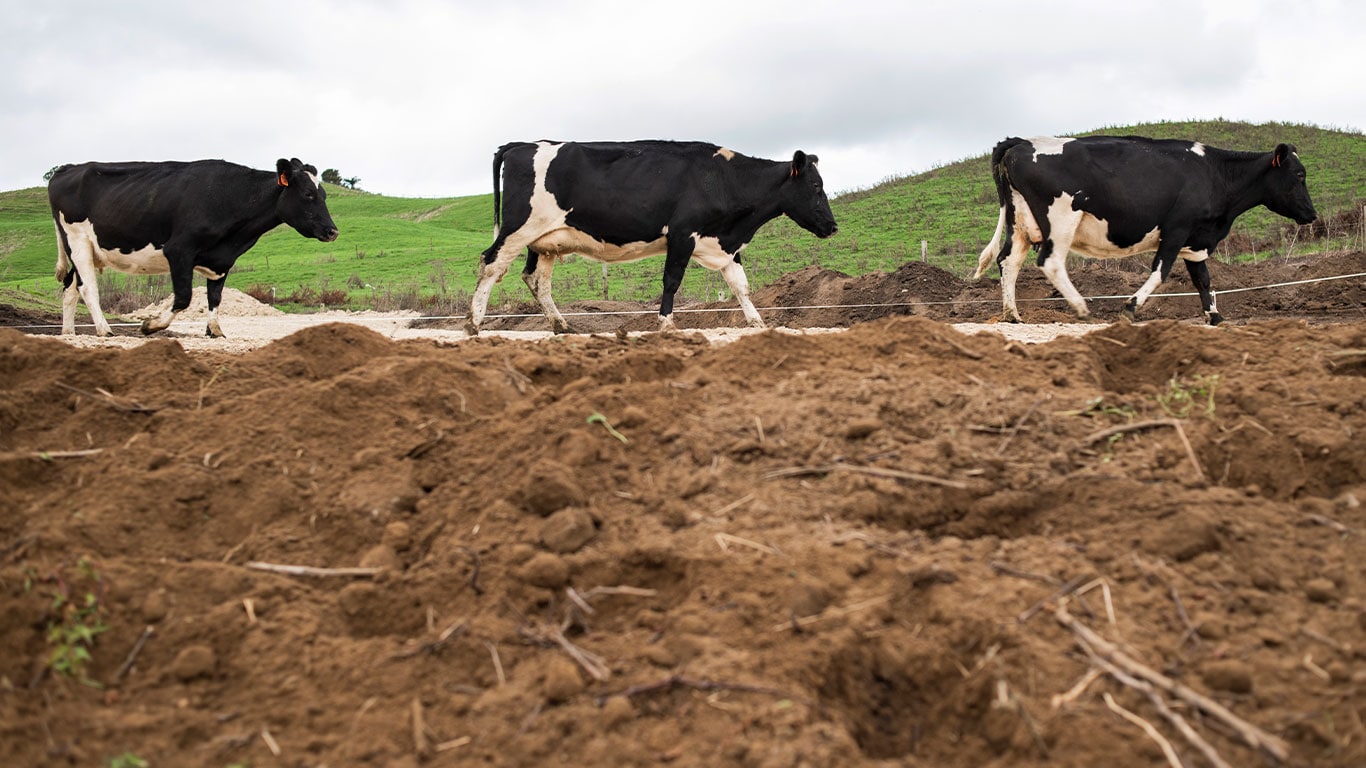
(147, 260)
(569, 240)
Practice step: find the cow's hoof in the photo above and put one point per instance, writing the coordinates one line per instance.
(667, 324)
(1089, 320)
(147, 329)
(1215, 318)
(558, 328)
(471, 329)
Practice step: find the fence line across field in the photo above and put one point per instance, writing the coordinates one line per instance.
(680, 311)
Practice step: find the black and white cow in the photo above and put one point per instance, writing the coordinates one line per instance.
(181, 218)
(1108, 196)
(623, 201)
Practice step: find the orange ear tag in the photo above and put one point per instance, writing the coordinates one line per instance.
(283, 181)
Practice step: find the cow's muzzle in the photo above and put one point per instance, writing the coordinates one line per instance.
(329, 235)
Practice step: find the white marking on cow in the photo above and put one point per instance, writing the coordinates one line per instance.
(726, 153)
(708, 252)
(1146, 290)
(1198, 148)
(1063, 223)
(147, 260)
(567, 240)
(317, 184)
(1049, 145)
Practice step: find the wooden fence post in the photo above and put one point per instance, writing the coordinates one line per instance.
(924, 252)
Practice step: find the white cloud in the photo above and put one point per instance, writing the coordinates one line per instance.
(414, 97)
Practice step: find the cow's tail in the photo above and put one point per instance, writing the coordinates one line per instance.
(63, 253)
(498, 188)
(998, 175)
(63, 247)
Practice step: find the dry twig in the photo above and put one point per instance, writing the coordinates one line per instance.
(1139, 426)
(1000, 449)
(894, 474)
(1167, 749)
(306, 570)
(723, 540)
(1101, 648)
(127, 664)
(833, 613)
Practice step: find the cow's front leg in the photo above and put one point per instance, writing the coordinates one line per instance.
(1163, 261)
(214, 295)
(1199, 272)
(739, 285)
(182, 283)
(680, 248)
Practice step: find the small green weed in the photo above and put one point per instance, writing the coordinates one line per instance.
(598, 418)
(77, 622)
(1097, 406)
(1183, 398)
(127, 760)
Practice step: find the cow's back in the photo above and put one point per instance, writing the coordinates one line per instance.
(135, 203)
(1112, 177)
(620, 191)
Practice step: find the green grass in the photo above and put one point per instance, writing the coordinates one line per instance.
(425, 250)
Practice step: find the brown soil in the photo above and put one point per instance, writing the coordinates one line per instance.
(839, 549)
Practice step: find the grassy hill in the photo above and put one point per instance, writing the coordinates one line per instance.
(421, 252)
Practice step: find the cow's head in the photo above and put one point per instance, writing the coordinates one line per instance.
(803, 197)
(1286, 192)
(302, 202)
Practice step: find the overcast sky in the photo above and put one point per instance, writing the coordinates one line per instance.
(414, 96)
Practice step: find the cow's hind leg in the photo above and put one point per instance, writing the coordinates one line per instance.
(83, 259)
(1063, 223)
(1012, 259)
(71, 296)
(537, 273)
(493, 265)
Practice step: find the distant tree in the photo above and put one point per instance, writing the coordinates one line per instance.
(352, 182)
(332, 176)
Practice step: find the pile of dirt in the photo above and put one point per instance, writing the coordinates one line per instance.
(815, 297)
(234, 303)
(840, 549)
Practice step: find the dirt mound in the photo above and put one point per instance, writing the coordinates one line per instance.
(234, 304)
(814, 297)
(837, 549)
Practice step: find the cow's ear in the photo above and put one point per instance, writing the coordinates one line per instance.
(799, 160)
(282, 170)
(1282, 152)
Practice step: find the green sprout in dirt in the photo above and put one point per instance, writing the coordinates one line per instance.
(127, 760)
(1097, 406)
(1183, 398)
(76, 623)
(598, 418)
